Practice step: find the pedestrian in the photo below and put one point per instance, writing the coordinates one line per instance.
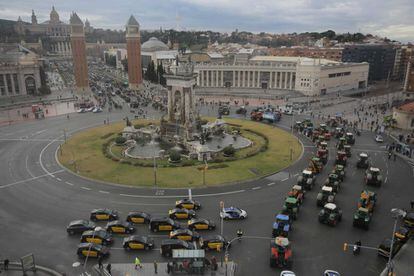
(155, 267)
(168, 268)
(6, 264)
(108, 268)
(389, 155)
(100, 265)
(137, 263)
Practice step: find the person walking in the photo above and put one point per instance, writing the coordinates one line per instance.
(168, 268)
(108, 268)
(155, 267)
(137, 263)
(100, 265)
(6, 264)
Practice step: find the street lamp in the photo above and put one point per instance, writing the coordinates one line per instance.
(396, 213)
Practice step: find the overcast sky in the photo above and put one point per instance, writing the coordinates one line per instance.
(391, 18)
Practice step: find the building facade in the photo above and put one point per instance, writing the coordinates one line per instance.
(19, 72)
(404, 116)
(310, 52)
(133, 39)
(309, 76)
(381, 58)
(80, 65)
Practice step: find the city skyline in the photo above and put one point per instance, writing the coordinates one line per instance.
(382, 18)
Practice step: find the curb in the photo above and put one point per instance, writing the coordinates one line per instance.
(17, 266)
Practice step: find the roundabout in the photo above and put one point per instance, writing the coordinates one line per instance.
(38, 199)
(93, 154)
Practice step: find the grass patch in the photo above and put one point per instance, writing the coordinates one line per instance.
(83, 154)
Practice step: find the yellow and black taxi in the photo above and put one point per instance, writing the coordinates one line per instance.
(163, 224)
(104, 214)
(97, 236)
(201, 224)
(181, 213)
(79, 226)
(403, 234)
(187, 203)
(167, 246)
(120, 227)
(136, 242)
(92, 250)
(409, 219)
(214, 242)
(184, 235)
(138, 217)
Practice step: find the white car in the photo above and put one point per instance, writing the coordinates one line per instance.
(233, 213)
(287, 273)
(97, 110)
(82, 110)
(331, 273)
(379, 139)
(90, 109)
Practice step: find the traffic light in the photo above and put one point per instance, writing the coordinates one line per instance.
(345, 246)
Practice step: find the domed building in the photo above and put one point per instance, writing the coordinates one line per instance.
(153, 45)
(158, 52)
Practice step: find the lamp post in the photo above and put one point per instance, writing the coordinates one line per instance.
(396, 213)
(226, 251)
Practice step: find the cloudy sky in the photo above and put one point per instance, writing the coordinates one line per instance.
(390, 18)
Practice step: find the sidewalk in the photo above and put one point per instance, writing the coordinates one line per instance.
(148, 270)
(403, 262)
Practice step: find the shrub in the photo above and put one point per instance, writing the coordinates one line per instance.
(229, 151)
(120, 140)
(175, 156)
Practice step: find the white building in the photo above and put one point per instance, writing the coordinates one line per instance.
(158, 52)
(306, 75)
(19, 72)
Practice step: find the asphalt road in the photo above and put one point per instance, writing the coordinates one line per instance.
(38, 199)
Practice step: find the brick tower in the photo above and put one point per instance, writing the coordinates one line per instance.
(133, 39)
(80, 66)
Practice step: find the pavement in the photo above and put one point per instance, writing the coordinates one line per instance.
(38, 199)
(403, 261)
(124, 269)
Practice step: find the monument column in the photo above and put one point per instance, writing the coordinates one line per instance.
(222, 78)
(234, 79)
(270, 80)
(80, 65)
(258, 79)
(133, 39)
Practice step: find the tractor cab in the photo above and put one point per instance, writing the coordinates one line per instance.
(363, 162)
(322, 154)
(350, 139)
(340, 171)
(367, 200)
(347, 149)
(280, 253)
(373, 177)
(333, 182)
(307, 179)
(341, 143)
(298, 193)
(315, 165)
(341, 158)
(281, 226)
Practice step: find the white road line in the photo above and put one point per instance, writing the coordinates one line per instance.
(256, 188)
(142, 204)
(58, 179)
(386, 179)
(30, 140)
(86, 188)
(69, 183)
(285, 179)
(30, 179)
(104, 192)
(296, 174)
(183, 195)
(271, 183)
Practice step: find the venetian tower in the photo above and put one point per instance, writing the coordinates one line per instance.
(133, 39)
(80, 66)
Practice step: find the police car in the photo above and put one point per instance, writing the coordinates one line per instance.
(233, 213)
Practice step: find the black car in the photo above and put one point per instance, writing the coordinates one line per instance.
(79, 226)
(188, 204)
(104, 214)
(136, 242)
(120, 227)
(163, 224)
(167, 246)
(214, 242)
(138, 217)
(92, 250)
(97, 236)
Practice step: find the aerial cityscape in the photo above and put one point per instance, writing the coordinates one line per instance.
(207, 137)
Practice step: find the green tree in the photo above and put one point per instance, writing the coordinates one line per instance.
(125, 64)
(151, 74)
(160, 74)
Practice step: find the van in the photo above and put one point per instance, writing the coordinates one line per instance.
(167, 246)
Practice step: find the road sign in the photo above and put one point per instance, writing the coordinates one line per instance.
(28, 263)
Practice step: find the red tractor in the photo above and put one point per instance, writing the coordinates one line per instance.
(280, 253)
(322, 154)
(297, 193)
(256, 114)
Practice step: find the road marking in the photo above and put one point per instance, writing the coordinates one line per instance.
(58, 179)
(30, 179)
(285, 179)
(386, 179)
(271, 183)
(256, 188)
(257, 237)
(29, 140)
(104, 192)
(183, 195)
(69, 183)
(142, 204)
(86, 188)
(296, 174)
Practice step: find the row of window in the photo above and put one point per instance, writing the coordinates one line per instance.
(334, 75)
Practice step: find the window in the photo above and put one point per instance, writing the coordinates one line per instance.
(2, 86)
(9, 84)
(16, 84)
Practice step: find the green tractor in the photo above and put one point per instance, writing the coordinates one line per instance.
(333, 181)
(362, 218)
(340, 171)
(291, 207)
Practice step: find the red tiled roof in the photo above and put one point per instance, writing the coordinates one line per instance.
(408, 107)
